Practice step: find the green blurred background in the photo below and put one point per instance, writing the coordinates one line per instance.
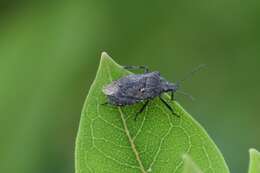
(50, 50)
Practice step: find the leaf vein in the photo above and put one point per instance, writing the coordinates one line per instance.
(140, 128)
(134, 149)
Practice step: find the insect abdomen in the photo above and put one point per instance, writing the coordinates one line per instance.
(121, 101)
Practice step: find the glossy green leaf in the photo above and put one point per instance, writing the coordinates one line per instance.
(189, 166)
(254, 165)
(110, 140)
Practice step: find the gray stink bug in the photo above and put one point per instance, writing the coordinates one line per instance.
(135, 88)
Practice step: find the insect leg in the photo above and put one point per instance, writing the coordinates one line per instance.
(106, 103)
(145, 68)
(168, 106)
(142, 109)
(172, 96)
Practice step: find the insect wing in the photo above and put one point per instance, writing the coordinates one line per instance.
(111, 89)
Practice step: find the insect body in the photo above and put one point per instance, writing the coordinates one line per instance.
(136, 88)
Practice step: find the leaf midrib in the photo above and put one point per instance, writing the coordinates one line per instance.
(130, 139)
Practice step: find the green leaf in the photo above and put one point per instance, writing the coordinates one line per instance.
(189, 166)
(254, 166)
(109, 140)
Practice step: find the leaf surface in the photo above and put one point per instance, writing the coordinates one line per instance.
(189, 166)
(110, 140)
(254, 165)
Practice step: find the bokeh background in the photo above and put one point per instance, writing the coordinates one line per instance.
(50, 51)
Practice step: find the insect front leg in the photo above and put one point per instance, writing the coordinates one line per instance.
(105, 103)
(168, 106)
(145, 68)
(172, 96)
(142, 109)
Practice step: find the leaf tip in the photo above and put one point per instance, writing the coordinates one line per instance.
(252, 150)
(104, 54)
(254, 165)
(106, 59)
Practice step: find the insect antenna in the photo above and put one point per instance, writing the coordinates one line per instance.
(186, 94)
(190, 74)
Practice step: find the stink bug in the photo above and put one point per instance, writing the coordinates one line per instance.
(135, 88)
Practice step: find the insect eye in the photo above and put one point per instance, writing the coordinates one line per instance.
(142, 90)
